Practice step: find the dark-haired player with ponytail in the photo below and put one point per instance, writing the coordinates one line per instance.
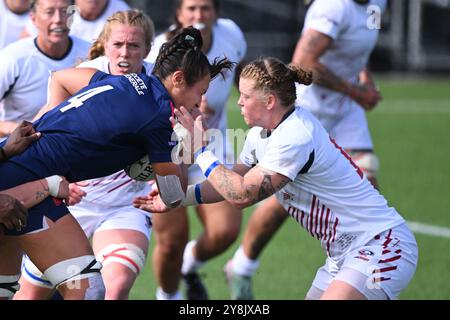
(87, 134)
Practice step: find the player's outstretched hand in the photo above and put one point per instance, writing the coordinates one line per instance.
(151, 202)
(20, 139)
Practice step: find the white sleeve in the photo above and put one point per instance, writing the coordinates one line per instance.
(248, 153)
(325, 17)
(287, 155)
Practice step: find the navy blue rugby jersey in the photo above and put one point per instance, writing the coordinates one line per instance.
(107, 125)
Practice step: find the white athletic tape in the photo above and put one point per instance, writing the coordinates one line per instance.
(127, 254)
(33, 275)
(53, 185)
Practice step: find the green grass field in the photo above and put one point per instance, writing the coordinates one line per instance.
(411, 132)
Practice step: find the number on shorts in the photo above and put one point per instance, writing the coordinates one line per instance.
(77, 101)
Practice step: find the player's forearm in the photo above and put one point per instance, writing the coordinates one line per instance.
(6, 127)
(31, 193)
(324, 77)
(232, 187)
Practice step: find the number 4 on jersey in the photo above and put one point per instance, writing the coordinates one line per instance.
(77, 101)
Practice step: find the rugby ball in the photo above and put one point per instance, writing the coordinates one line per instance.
(140, 170)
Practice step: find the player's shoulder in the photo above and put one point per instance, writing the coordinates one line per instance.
(99, 63)
(298, 127)
(321, 8)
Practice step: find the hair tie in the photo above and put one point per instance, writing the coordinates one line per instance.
(189, 38)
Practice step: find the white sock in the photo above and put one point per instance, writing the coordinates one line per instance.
(161, 295)
(242, 265)
(190, 263)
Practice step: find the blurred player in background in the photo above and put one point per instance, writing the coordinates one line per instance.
(335, 44)
(27, 63)
(13, 18)
(89, 17)
(221, 37)
(120, 233)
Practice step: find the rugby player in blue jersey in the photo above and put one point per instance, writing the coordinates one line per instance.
(108, 123)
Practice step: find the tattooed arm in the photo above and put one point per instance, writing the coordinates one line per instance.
(34, 192)
(310, 47)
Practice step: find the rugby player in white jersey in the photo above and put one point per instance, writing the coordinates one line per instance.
(335, 43)
(120, 233)
(222, 37)
(27, 63)
(371, 253)
(13, 17)
(88, 18)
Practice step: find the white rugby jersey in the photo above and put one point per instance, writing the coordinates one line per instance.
(117, 189)
(24, 73)
(11, 25)
(227, 40)
(346, 22)
(85, 29)
(328, 194)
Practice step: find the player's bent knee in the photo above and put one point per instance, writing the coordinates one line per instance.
(367, 161)
(9, 285)
(127, 254)
(71, 271)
